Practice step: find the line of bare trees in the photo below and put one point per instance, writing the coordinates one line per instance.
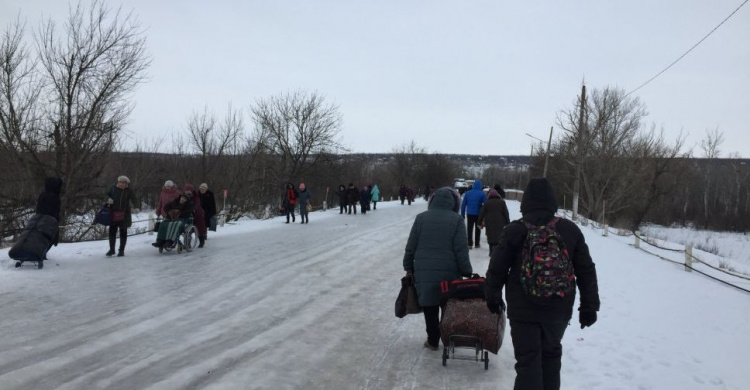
(629, 174)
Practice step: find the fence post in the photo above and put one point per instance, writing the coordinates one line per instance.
(637, 239)
(606, 231)
(223, 216)
(151, 224)
(325, 205)
(688, 258)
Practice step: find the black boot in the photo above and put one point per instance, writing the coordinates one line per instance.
(111, 252)
(201, 241)
(121, 252)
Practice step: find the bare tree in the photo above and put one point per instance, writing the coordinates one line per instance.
(212, 139)
(300, 130)
(597, 135)
(86, 74)
(710, 146)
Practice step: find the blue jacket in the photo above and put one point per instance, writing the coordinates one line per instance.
(473, 200)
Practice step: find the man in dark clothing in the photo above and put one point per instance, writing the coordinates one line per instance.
(352, 198)
(402, 193)
(537, 327)
(208, 202)
(343, 195)
(48, 202)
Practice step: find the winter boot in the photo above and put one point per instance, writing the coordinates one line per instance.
(202, 241)
(111, 252)
(430, 346)
(121, 253)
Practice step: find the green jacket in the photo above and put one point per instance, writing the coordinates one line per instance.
(436, 249)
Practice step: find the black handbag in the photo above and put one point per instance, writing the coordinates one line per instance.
(407, 301)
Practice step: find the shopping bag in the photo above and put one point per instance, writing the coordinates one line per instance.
(212, 223)
(102, 216)
(407, 301)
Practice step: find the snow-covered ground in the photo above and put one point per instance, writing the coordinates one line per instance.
(268, 305)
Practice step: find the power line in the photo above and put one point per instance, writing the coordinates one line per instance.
(689, 50)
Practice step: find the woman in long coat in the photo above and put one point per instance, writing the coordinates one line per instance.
(493, 216)
(436, 251)
(199, 218)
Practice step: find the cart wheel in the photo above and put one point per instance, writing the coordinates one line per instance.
(18, 264)
(445, 355)
(40, 264)
(486, 360)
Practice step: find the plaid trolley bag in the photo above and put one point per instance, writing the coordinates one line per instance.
(467, 323)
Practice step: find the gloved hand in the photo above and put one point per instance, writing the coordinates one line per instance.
(495, 306)
(587, 318)
(110, 201)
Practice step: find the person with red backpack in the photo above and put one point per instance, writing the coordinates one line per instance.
(539, 261)
(290, 200)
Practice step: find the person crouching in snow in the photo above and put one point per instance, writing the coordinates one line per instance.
(436, 251)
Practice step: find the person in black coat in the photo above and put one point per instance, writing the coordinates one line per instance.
(343, 195)
(208, 202)
(364, 199)
(352, 198)
(537, 328)
(48, 202)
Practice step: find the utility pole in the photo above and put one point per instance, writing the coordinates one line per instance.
(579, 152)
(546, 158)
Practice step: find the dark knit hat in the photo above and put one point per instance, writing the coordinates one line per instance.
(539, 195)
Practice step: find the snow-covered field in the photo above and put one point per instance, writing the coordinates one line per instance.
(268, 305)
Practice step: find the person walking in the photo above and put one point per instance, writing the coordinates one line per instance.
(539, 312)
(352, 198)
(343, 195)
(168, 193)
(402, 193)
(470, 207)
(436, 251)
(119, 198)
(304, 200)
(48, 203)
(364, 199)
(199, 214)
(208, 202)
(375, 195)
(290, 200)
(493, 217)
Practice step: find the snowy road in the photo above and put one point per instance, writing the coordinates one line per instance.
(273, 306)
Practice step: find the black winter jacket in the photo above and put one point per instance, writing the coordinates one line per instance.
(48, 202)
(208, 202)
(187, 209)
(538, 207)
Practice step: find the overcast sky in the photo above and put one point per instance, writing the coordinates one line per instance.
(468, 77)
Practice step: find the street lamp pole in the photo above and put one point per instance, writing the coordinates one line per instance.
(546, 159)
(549, 144)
